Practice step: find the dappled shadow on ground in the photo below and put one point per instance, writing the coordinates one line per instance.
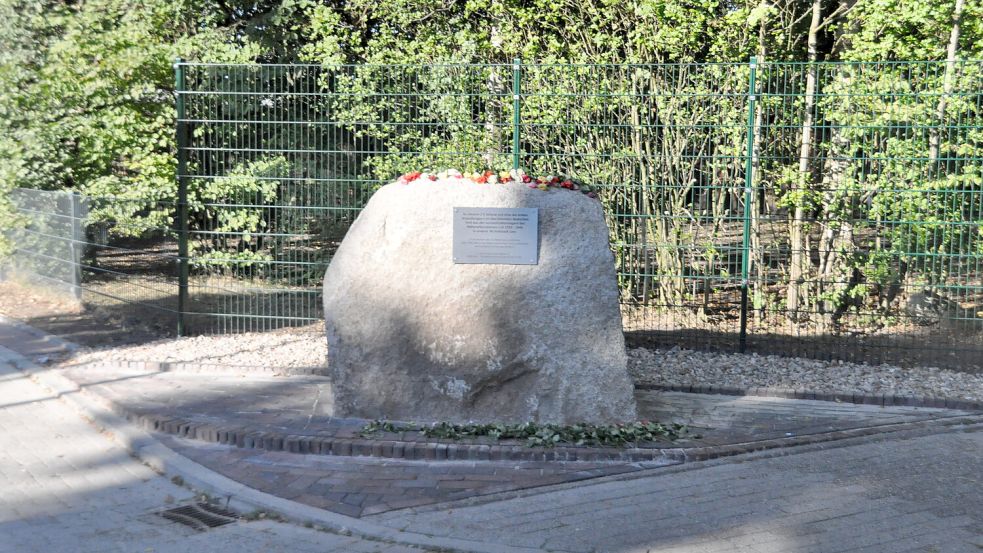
(114, 324)
(360, 486)
(119, 312)
(86, 325)
(267, 413)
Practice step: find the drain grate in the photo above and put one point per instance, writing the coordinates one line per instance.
(200, 516)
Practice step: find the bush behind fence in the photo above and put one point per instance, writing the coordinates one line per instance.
(830, 210)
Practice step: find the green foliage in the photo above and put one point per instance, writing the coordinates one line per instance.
(87, 104)
(540, 435)
(234, 201)
(233, 208)
(87, 98)
(902, 30)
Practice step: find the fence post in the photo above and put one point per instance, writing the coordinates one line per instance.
(748, 199)
(78, 244)
(516, 107)
(181, 130)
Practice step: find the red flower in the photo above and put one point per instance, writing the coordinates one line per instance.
(526, 179)
(567, 184)
(481, 179)
(410, 177)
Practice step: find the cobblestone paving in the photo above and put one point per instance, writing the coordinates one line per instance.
(920, 494)
(735, 419)
(355, 486)
(64, 487)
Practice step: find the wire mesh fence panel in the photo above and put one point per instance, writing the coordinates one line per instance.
(868, 243)
(666, 144)
(105, 252)
(281, 158)
(47, 240)
(829, 210)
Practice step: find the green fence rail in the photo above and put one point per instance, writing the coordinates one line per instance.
(829, 210)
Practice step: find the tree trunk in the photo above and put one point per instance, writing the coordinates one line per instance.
(950, 68)
(755, 265)
(798, 292)
(836, 244)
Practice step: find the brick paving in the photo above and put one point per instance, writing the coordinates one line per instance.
(270, 409)
(916, 488)
(65, 487)
(921, 494)
(355, 486)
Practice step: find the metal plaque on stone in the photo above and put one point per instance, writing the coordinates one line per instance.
(496, 235)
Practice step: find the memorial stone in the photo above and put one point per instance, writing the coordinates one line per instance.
(523, 326)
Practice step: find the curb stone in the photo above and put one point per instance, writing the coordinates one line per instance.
(165, 460)
(884, 400)
(241, 497)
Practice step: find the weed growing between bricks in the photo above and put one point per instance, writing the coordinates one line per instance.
(540, 435)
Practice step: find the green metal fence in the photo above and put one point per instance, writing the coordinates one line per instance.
(116, 254)
(829, 210)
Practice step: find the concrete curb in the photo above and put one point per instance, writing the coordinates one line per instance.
(241, 497)
(884, 400)
(69, 347)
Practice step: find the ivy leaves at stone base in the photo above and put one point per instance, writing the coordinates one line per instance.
(540, 435)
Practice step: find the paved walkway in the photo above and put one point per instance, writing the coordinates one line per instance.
(259, 408)
(64, 487)
(921, 494)
(916, 488)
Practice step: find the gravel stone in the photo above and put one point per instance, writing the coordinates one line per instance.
(680, 367)
(294, 348)
(305, 347)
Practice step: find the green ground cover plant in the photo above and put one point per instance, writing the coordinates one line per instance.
(541, 435)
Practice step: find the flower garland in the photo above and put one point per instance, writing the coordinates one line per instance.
(502, 177)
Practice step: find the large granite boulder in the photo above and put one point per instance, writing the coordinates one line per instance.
(414, 336)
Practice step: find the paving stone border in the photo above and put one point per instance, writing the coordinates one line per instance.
(884, 400)
(406, 447)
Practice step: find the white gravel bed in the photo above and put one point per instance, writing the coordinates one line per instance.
(307, 348)
(685, 367)
(304, 347)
